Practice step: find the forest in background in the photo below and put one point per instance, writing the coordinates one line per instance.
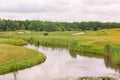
(37, 25)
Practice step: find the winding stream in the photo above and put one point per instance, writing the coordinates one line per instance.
(60, 64)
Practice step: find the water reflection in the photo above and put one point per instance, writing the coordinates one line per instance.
(107, 61)
(73, 54)
(61, 63)
(15, 75)
(109, 64)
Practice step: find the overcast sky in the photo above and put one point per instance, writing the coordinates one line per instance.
(61, 10)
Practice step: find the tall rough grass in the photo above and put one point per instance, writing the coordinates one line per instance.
(89, 49)
(113, 51)
(48, 41)
(70, 44)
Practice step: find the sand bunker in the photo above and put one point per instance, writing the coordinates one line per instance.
(78, 33)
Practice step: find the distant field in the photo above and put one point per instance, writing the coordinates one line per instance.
(90, 37)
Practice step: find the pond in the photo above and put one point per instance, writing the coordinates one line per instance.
(60, 64)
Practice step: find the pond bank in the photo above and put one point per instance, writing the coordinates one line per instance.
(70, 44)
(75, 47)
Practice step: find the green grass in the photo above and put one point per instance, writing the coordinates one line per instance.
(89, 49)
(89, 38)
(15, 57)
(90, 42)
(18, 42)
(49, 41)
(113, 51)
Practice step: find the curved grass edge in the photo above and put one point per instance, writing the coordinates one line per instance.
(14, 64)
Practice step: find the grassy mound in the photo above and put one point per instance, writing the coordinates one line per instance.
(16, 57)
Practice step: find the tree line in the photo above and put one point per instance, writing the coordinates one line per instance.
(37, 25)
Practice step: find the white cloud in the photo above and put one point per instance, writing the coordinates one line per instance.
(61, 10)
(96, 2)
(28, 6)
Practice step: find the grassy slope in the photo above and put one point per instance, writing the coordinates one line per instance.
(16, 57)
